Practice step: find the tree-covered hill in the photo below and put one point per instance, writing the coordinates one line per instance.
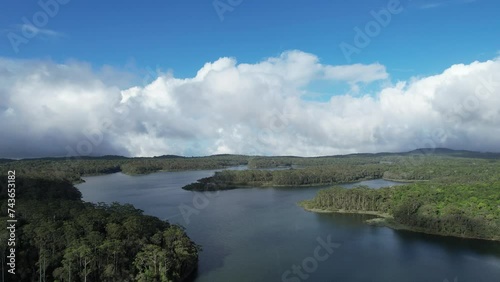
(61, 238)
(469, 210)
(76, 167)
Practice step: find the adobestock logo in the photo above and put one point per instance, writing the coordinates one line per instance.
(223, 6)
(363, 37)
(33, 27)
(310, 264)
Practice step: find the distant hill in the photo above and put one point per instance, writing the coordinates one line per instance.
(421, 151)
(169, 157)
(432, 151)
(105, 157)
(456, 153)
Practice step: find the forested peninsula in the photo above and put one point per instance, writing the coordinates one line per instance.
(62, 238)
(58, 237)
(448, 193)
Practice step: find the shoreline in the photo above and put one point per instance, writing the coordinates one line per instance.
(386, 220)
(380, 215)
(313, 185)
(375, 213)
(246, 185)
(403, 180)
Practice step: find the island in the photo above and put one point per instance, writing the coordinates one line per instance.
(446, 192)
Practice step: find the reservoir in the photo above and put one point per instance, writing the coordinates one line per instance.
(260, 234)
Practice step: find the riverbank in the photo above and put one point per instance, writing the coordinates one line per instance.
(242, 227)
(213, 184)
(387, 220)
(382, 219)
(376, 213)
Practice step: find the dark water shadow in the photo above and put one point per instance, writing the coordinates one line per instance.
(453, 245)
(218, 255)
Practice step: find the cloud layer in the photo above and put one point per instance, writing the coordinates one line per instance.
(50, 109)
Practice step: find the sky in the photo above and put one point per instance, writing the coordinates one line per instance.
(271, 77)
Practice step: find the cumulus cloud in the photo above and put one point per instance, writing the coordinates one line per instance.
(60, 109)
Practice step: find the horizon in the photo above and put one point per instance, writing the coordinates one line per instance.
(422, 151)
(261, 78)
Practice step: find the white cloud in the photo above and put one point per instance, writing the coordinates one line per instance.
(432, 4)
(357, 73)
(39, 31)
(244, 108)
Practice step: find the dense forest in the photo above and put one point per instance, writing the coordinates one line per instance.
(74, 168)
(469, 210)
(450, 196)
(452, 193)
(61, 238)
(319, 175)
(335, 170)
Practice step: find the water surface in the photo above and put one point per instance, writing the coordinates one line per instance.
(258, 234)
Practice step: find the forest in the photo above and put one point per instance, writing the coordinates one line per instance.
(74, 168)
(61, 238)
(318, 175)
(470, 210)
(448, 196)
(449, 192)
(399, 165)
(443, 168)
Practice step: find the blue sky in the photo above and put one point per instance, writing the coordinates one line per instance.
(427, 37)
(294, 77)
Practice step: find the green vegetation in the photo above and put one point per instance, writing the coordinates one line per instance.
(74, 169)
(321, 175)
(61, 238)
(452, 192)
(459, 197)
(401, 165)
(443, 168)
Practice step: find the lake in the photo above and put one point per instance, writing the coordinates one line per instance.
(260, 235)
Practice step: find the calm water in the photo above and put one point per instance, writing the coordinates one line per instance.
(260, 234)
